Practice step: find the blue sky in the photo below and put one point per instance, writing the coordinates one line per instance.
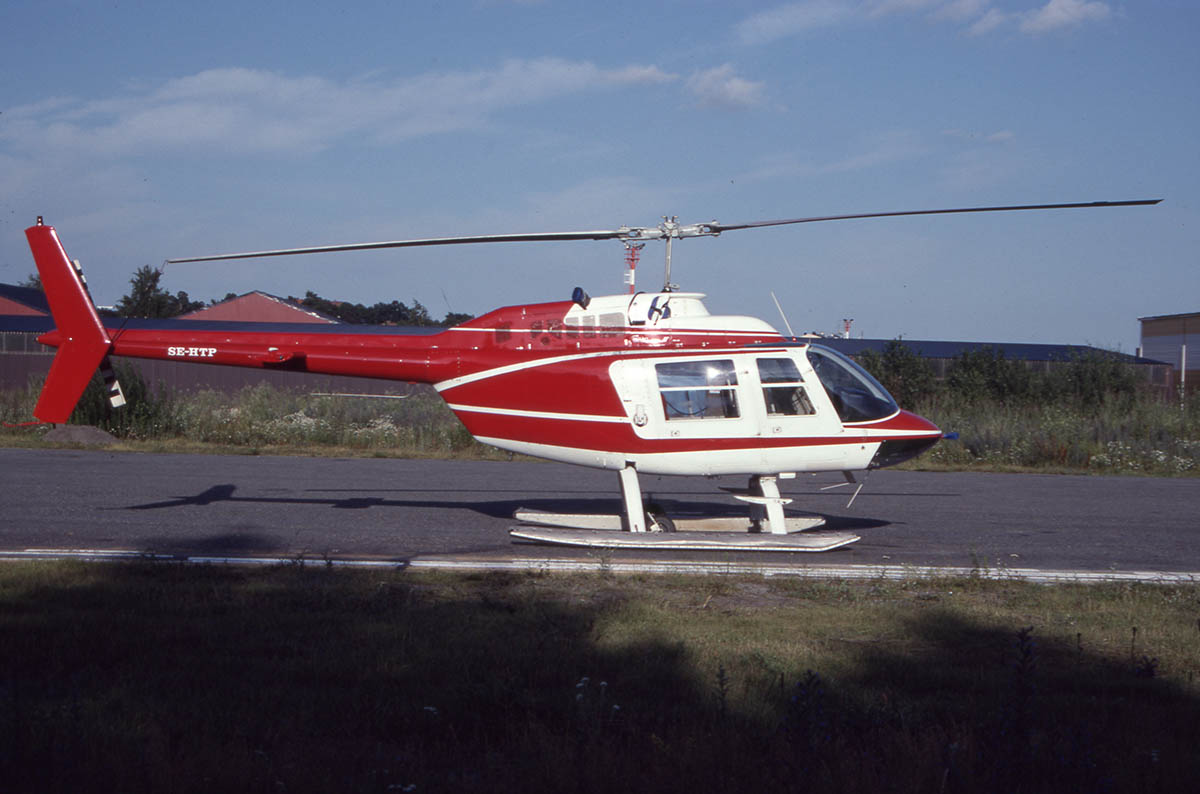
(144, 131)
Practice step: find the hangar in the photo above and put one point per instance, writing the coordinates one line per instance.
(1165, 337)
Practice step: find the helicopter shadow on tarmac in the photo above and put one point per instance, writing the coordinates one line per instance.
(497, 508)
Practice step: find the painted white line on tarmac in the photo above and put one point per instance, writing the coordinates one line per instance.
(601, 564)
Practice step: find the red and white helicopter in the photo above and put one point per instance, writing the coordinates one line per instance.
(641, 383)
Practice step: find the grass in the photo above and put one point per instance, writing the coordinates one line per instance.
(1117, 432)
(261, 420)
(1091, 414)
(147, 677)
(1143, 436)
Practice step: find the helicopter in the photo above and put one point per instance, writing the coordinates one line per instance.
(644, 383)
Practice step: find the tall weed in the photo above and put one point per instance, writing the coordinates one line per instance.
(1091, 413)
(264, 415)
(149, 412)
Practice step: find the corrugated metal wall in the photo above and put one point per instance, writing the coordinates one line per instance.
(1167, 338)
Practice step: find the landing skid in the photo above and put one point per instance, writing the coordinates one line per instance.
(613, 522)
(701, 541)
(766, 529)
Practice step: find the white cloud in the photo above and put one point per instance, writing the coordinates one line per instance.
(789, 20)
(1062, 14)
(877, 151)
(720, 87)
(884, 7)
(961, 10)
(881, 150)
(977, 169)
(976, 160)
(978, 16)
(249, 111)
(971, 136)
(988, 22)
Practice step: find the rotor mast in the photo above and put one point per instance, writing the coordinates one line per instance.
(668, 231)
(669, 226)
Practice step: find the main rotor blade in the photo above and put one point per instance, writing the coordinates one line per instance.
(485, 238)
(717, 228)
(667, 230)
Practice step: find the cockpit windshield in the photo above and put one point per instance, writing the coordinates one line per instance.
(855, 394)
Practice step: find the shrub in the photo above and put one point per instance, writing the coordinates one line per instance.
(902, 371)
(147, 413)
(987, 374)
(1094, 378)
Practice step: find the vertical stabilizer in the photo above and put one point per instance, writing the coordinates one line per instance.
(81, 338)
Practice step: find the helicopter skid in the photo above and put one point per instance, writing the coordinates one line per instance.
(713, 533)
(693, 541)
(613, 522)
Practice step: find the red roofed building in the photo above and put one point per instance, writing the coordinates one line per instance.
(24, 314)
(22, 302)
(14, 309)
(258, 307)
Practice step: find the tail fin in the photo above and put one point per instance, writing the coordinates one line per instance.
(81, 338)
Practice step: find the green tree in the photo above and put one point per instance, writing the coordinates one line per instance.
(456, 318)
(986, 374)
(389, 313)
(1092, 378)
(147, 299)
(32, 281)
(902, 371)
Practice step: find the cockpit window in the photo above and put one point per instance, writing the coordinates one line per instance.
(856, 395)
(783, 388)
(778, 370)
(698, 389)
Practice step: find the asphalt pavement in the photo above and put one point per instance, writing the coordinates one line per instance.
(403, 510)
